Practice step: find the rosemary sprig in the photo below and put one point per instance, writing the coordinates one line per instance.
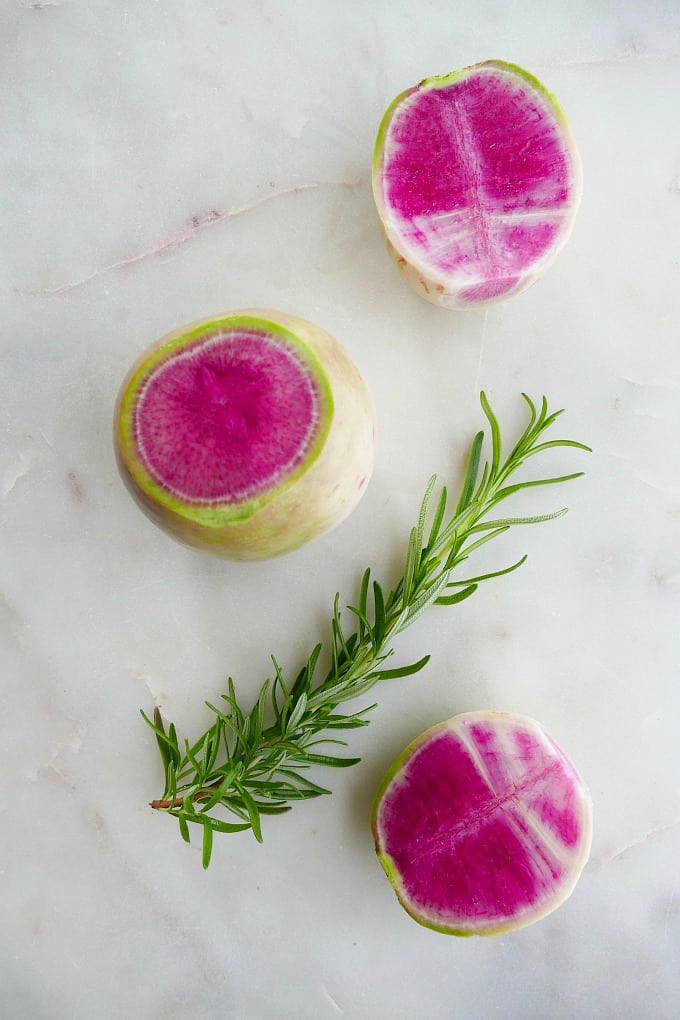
(251, 764)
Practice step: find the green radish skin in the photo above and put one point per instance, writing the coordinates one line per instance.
(466, 227)
(310, 499)
(482, 825)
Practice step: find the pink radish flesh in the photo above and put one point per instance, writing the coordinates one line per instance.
(226, 421)
(477, 182)
(483, 825)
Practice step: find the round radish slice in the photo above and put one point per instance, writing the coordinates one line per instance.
(477, 181)
(248, 434)
(483, 825)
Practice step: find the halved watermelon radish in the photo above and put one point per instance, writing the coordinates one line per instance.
(482, 825)
(477, 181)
(248, 434)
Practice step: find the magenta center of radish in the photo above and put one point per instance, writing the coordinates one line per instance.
(228, 418)
(478, 175)
(474, 839)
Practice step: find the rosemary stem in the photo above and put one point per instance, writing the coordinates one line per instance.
(245, 768)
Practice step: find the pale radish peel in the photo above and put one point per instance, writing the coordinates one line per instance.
(477, 182)
(248, 434)
(483, 825)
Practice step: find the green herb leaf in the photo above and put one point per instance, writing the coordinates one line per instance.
(247, 766)
(393, 674)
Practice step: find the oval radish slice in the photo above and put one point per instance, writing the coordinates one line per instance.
(248, 434)
(477, 181)
(482, 825)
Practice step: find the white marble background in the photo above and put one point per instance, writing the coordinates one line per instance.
(165, 160)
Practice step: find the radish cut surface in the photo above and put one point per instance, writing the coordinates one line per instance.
(231, 416)
(248, 434)
(476, 181)
(483, 825)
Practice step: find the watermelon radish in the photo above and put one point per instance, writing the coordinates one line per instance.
(477, 181)
(247, 435)
(482, 825)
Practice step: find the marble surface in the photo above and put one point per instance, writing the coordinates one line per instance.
(162, 161)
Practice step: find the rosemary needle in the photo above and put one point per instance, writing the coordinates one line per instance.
(251, 764)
